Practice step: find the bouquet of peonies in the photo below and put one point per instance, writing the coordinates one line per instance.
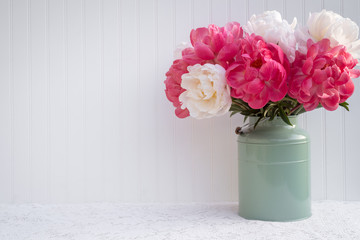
(266, 68)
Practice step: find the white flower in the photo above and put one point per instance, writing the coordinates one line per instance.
(179, 48)
(274, 29)
(327, 24)
(207, 93)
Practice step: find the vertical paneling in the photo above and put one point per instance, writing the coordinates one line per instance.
(147, 118)
(5, 103)
(130, 101)
(119, 101)
(84, 116)
(351, 126)
(293, 10)
(220, 145)
(256, 7)
(165, 114)
(38, 101)
(57, 88)
(275, 5)
(47, 97)
(75, 95)
(21, 98)
(333, 139)
(110, 106)
(184, 127)
(315, 125)
(203, 129)
(238, 12)
(94, 95)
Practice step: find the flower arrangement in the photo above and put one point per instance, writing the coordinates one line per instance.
(266, 68)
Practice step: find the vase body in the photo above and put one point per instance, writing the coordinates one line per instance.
(274, 172)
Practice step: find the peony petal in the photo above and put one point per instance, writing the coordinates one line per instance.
(255, 86)
(198, 35)
(235, 29)
(319, 76)
(277, 94)
(251, 73)
(341, 61)
(335, 72)
(323, 45)
(347, 89)
(354, 48)
(306, 85)
(235, 75)
(295, 85)
(312, 51)
(259, 101)
(330, 101)
(280, 53)
(319, 63)
(203, 51)
(217, 43)
(308, 66)
(354, 73)
(309, 106)
(228, 52)
(237, 93)
(304, 96)
(274, 73)
(344, 78)
(182, 113)
(268, 70)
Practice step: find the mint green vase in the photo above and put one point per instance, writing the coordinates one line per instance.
(274, 171)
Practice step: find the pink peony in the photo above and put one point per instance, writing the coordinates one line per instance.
(259, 73)
(212, 45)
(173, 86)
(323, 76)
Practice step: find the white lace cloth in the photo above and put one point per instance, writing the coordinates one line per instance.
(330, 220)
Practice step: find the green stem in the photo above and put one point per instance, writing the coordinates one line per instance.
(295, 108)
(238, 104)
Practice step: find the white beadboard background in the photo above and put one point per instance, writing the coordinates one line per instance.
(84, 118)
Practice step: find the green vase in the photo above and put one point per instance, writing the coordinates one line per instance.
(274, 171)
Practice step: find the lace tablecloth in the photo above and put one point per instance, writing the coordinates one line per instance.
(103, 221)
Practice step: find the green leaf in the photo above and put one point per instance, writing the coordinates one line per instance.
(287, 98)
(245, 118)
(345, 105)
(298, 110)
(273, 113)
(283, 116)
(235, 107)
(303, 109)
(266, 111)
(233, 113)
(257, 122)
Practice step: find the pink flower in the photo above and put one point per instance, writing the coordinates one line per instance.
(173, 86)
(215, 44)
(212, 45)
(323, 76)
(259, 73)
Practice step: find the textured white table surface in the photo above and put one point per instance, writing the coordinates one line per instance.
(330, 220)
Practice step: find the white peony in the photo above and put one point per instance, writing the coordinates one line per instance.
(327, 24)
(207, 93)
(274, 29)
(179, 48)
